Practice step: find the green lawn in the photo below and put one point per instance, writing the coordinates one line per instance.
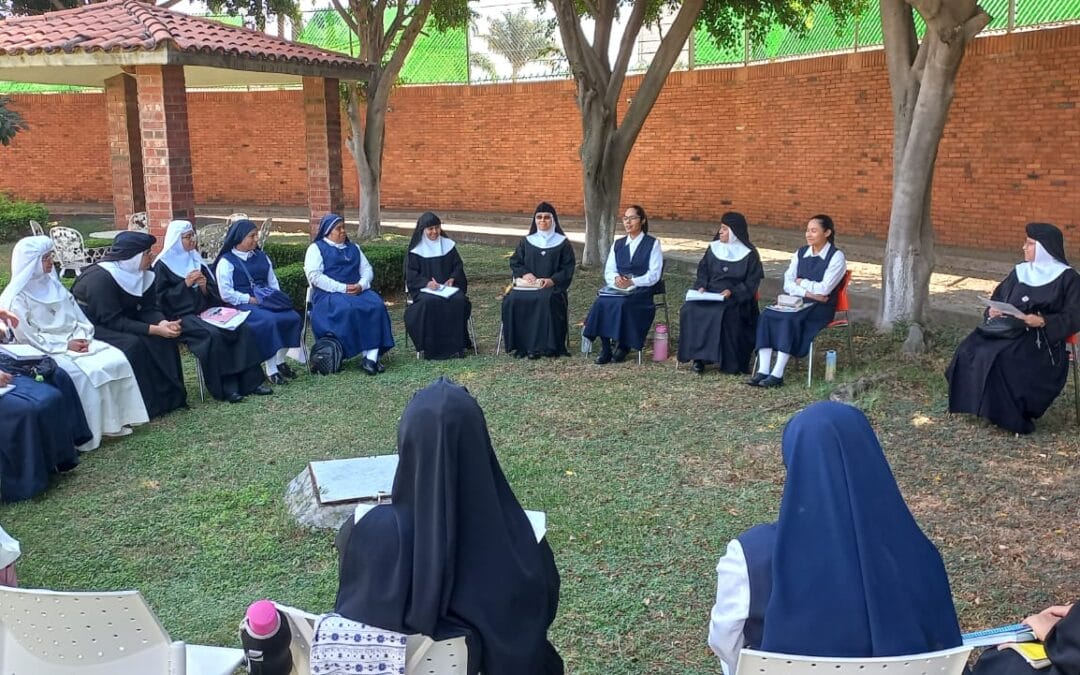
(645, 473)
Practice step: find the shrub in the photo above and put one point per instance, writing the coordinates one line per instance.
(293, 282)
(15, 217)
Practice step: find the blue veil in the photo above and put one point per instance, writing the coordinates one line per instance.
(326, 224)
(853, 575)
(235, 235)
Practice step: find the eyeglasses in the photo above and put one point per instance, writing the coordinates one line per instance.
(630, 219)
(543, 216)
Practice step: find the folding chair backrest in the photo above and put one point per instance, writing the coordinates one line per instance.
(945, 662)
(842, 293)
(50, 633)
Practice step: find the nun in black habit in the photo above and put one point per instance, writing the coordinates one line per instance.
(117, 295)
(437, 324)
(534, 312)
(1012, 381)
(185, 288)
(454, 553)
(724, 331)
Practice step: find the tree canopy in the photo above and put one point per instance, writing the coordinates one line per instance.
(11, 122)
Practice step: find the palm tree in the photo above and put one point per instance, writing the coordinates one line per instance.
(11, 122)
(518, 38)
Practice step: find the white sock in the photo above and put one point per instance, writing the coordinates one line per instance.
(271, 366)
(781, 362)
(279, 358)
(372, 355)
(764, 358)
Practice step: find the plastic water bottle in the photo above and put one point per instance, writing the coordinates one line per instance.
(266, 638)
(830, 365)
(659, 346)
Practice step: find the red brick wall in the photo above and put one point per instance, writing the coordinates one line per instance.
(779, 142)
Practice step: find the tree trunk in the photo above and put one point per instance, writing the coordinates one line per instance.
(921, 78)
(366, 146)
(602, 176)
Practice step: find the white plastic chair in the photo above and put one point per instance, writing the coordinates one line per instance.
(112, 633)
(423, 656)
(945, 662)
(69, 252)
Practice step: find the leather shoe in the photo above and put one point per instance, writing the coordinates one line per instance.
(278, 379)
(285, 370)
(262, 390)
(380, 367)
(771, 381)
(369, 367)
(234, 397)
(603, 359)
(533, 355)
(756, 379)
(620, 355)
(698, 367)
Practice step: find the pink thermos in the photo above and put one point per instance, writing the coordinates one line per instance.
(659, 345)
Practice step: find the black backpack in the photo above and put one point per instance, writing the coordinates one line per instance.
(326, 356)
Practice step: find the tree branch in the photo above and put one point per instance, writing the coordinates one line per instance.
(582, 57)
(345, 15)
(602, 22)
(395, 25)
(626, 49)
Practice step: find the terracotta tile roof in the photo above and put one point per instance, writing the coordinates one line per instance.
(132, 25)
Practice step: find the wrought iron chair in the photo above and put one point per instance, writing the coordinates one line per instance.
(138, 222)
(69, 252)
(264, 231)
(36, 229)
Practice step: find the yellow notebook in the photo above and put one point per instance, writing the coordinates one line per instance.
(1033, 652)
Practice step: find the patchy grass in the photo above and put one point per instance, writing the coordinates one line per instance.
(645, 473)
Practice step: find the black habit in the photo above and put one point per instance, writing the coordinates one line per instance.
(438, 326)
(229, 358)
(1062, 648)
(454, 554)
(1012, 382)
(723, 332)
(123, 320)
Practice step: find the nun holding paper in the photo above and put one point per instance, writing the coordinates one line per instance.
(52, 322)
(117, 295)
(438, 318)
(186, 288)
(342, 302)
(723, 331)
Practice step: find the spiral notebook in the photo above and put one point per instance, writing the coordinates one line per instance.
(1015, 632)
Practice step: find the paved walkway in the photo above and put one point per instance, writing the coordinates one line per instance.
(962, 274)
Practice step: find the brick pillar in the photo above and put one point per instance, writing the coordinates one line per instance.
(170, 191)
(322, 132)
(125, 150)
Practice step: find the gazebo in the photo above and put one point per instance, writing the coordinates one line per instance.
(146, 57)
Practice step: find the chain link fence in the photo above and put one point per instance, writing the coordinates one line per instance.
(516, 41)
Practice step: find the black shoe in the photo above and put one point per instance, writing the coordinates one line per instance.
(380, 367)
(262, 390)
(278, 379)
(698, 367)
(771, 381)
(604, 358)
(532, 356)
(234, 397)
(369, 367)
(756, 379)
(620, 354)
(285, 370)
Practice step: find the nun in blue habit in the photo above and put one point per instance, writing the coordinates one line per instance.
(342, 302)
(845, 570)
(241, 265)
(634, 266)
(41, 425)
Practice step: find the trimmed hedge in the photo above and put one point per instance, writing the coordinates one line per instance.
(387, 261)
(15, 217)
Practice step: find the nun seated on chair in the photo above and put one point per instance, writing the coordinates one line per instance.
(118, 296)
(1010, 369)
(438, 318)
(342, 302)
(246, 280)
(845, 570)
(453, 554)
(624, 311)
(813, 278)
(52, 322)
(534, 312)
(186, 288)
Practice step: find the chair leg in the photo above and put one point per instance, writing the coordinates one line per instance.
(810, 366)
(498, 345)
(199, 378)
(472, 336)
(1076, 381)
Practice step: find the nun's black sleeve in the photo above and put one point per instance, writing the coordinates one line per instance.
(414, 275)
(564, 273)
(1063, 644)
(101, 301)
(1060, 325)
(703, 272)
(745, 290)
(457, 270)
(517, 261)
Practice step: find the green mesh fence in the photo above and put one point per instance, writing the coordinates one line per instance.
(445, 57)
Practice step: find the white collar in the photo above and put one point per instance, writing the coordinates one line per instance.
(732, 251)
(27, 276)
(336, 245)
(821, 254)
(433, 249)
(173, 255)
(1040, 271)
(549, 239)
(128, 276)
(243, 255)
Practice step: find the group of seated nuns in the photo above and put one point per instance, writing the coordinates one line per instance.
(844, 571)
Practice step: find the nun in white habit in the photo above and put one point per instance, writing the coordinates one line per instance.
(723, 331)
(53, 323)
(1012, 380)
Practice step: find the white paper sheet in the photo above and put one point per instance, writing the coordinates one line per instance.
(1003, 307)
(442, 292)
